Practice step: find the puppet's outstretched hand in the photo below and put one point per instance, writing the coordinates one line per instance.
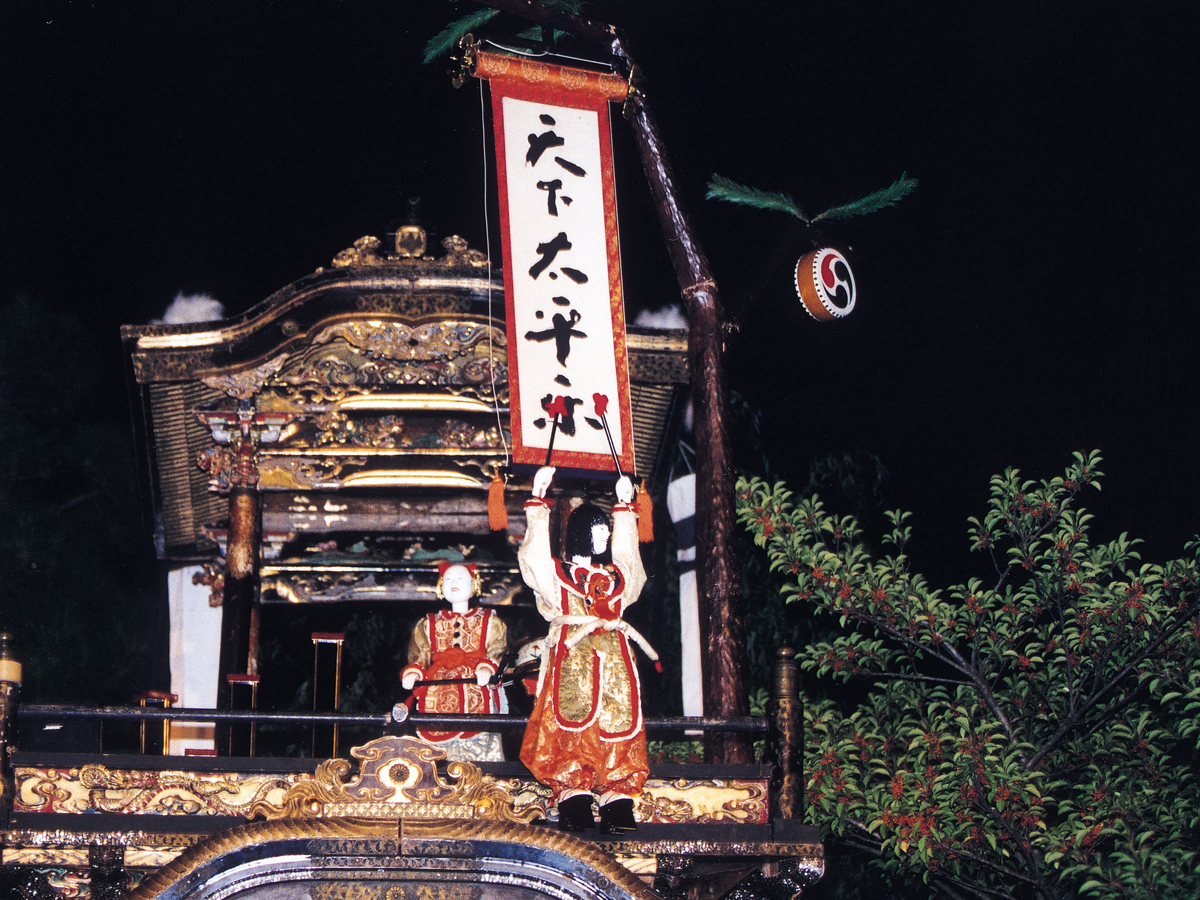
(624, 489)
(541, 481)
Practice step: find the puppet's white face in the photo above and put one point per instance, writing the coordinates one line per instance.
(600, 536)
(458, 586)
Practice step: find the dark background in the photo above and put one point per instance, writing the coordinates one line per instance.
(1033, 297)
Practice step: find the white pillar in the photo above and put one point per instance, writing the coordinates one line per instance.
(681, 504)
(195, 657)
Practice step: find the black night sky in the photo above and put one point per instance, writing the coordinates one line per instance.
(1030, 299)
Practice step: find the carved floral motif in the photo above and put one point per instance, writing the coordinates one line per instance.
(98, 789)
(244, 385)
(299, 473)
(392, 432)
(398, 778)
(704, 802)
(218, 462)
(368, 251)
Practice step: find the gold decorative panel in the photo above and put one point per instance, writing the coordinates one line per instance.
(397, 778)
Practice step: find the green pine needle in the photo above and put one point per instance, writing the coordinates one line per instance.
(721, 188)
(889, 196)
(566, 7)
(443, 42)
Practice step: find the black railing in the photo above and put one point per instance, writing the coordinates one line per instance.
(441, 721)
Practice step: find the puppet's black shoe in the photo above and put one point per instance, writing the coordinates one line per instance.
(617, 817)
(575, 813)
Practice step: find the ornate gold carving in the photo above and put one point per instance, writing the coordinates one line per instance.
(394, 354)
(414, 304)
(459, 254)
(301, 396)
(243, 430)
(434, 892)
(545, 839)
(297, 473)
(213, 577)
(375, 431)
(409, 251)
(313, 588)
(323, 587)
(454, 834)
(244, 385)
(98, 789)
(398, 778)
(370, 890)
(531, 797)
(218, 462)
(397, 340)
(703, 802)
(410, 240)
(130, 840)
(396, 432)
(460, 435)
(255, 834)
(365, 252)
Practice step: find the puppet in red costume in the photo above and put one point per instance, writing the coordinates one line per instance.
(458, 643)
(586, 734)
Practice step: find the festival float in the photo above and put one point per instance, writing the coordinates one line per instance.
(413, 433)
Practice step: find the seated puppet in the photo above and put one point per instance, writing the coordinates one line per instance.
(463, 645)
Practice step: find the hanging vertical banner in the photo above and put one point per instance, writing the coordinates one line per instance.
(568, 369)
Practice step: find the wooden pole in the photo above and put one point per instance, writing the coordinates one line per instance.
(726, 691)
(718, 573)
(238, 650)
(241, 561)
(785, 742)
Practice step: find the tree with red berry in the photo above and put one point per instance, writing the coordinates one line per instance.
(1034, 735)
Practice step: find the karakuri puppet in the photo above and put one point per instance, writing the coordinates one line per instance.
(462, 647)
(586, 735)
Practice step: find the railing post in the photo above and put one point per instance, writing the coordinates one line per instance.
(10, 698)
(786, 739)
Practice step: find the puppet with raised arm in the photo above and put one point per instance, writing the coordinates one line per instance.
(465, 644)
(586, 734)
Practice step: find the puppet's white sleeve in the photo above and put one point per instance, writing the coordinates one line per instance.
(537, 566)
(625, 553)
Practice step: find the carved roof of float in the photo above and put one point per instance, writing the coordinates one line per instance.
(387, 369)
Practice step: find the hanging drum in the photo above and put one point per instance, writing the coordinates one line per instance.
(825, 284)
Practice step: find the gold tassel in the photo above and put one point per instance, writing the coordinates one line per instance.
(645, 511)
(497, 513)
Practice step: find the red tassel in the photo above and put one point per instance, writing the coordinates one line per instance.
(645, 511)
(497, 513)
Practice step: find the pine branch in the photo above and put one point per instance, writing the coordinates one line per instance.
(889, 196)
(721, 188)
(443, 42)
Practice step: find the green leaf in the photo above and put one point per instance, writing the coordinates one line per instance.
(443, 42)
(881, 199)
(721, 188)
